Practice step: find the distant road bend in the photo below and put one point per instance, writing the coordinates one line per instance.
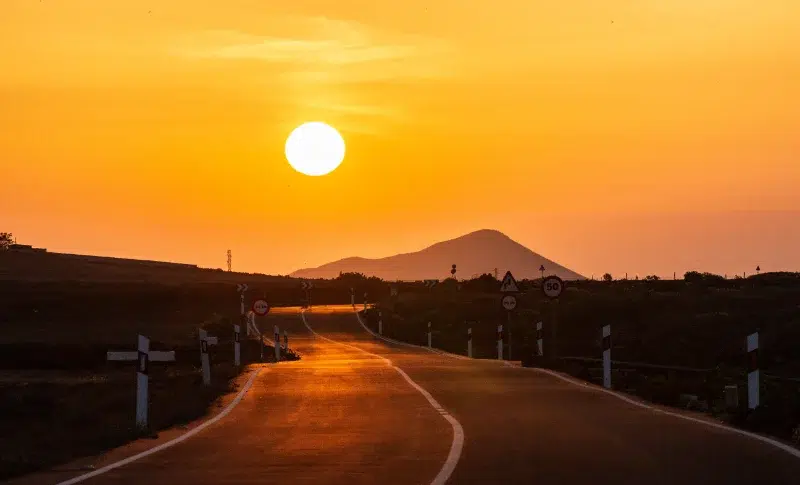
(358, 410)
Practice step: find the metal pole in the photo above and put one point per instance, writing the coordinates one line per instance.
(236, 346)
(509, 335)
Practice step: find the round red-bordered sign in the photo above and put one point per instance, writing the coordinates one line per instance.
(552, 286)
(260, 307)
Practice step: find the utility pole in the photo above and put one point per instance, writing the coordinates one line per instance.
(229, 260)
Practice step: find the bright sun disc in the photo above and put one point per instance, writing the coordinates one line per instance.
(315, 148)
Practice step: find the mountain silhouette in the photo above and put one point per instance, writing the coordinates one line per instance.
(474, 254)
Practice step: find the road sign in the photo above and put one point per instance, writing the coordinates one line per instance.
(552, 286)
(306, 285)
(509, 302)
(260, 307)
(241, 287)
(393, 291)
(509, 284)
(431, 283)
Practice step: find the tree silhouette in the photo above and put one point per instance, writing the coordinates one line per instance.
(607, 277)
(6, 240)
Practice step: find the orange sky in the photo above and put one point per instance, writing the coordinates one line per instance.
(663, 141)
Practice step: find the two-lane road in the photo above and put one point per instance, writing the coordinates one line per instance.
(344, 415)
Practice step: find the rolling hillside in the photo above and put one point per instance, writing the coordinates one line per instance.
(474, 253)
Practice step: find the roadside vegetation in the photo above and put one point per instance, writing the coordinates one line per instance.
(682, 342)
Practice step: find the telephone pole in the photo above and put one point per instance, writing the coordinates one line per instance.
(229, 260)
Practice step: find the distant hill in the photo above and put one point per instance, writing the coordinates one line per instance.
(474, 253)
(26, 263)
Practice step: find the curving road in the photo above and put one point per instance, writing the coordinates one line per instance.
(344, 414)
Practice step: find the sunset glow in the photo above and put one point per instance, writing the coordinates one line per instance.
(578, 128)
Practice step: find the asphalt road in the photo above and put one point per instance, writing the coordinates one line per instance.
(343, 415)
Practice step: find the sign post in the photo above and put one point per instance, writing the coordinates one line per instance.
(142, 356)
(430, 340)
(509, 302)
(500, 342)
(753, 372)
(353, 298)
(365, 301)
(552, 286)
(380, 323)
(237, 346)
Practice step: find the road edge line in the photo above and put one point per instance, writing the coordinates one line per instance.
(456, 446)
(172, 442)
(586, 385)
(406, 344)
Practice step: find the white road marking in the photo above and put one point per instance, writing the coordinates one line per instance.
(782, 446)
(458, 432)
(171, 442)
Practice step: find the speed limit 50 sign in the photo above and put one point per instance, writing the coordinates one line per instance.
(552, 286)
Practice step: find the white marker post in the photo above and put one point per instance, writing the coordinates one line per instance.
(142, 357)
(365, 301)
(753, 372)
(205, 341)
(285, 341)
(607, 356)
(142, 381)
(429, 336)
(353, 297)
(469, 342)
(539, 340)
(380, 323)
(237, 346)
(500, 342)
(277, 335)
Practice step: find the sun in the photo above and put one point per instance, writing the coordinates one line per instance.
(315, 148)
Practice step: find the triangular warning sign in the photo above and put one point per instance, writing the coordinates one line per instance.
(509, 284)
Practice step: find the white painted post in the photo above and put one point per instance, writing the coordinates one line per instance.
(237, 346)
(353, 297)
(469, 342)
(607, 356)
(429, 336)
(753, 372)
(285, 341)
(500, 342)
(277, 335)
(539, 340)
(142, 381)
(365, 301)
(142, 356)
(204, 357)
(380, 323)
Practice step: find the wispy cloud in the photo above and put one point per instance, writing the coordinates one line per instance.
(323, 50)
(341, 70)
